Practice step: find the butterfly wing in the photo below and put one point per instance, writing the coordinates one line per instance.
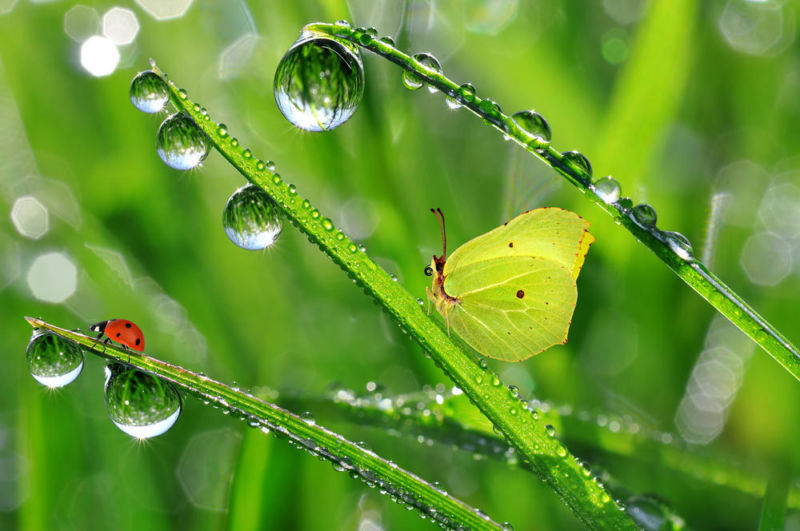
(552, 233)
(512, 307)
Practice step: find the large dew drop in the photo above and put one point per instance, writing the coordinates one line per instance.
(140, 404)
(679, 244)
(181, 143)
(149, 92)
(579, 160)
(53, 360)
(251, 218)
(607, 189)
(319, 82)
(645, 215)
(534, 124)
(412, 81)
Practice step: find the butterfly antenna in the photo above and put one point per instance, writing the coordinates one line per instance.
(440, 217)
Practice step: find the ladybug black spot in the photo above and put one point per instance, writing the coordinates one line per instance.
(520, 294)
(118, 334)
(138, 341)
(127, 325)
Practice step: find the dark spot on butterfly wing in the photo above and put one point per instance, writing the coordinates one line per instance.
(520, 294)
(511, 244)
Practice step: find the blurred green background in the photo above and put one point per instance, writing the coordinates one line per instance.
(692, 106)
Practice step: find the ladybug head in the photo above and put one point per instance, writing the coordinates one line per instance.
(99, 327)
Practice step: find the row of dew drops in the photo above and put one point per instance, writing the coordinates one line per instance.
(144, 406)
(318, 86)
(138, 403)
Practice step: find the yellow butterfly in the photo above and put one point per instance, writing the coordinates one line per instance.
(510, 293)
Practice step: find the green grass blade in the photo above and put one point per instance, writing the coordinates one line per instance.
(589, 501)
(409, 489)
(691, 271)
(773, 510)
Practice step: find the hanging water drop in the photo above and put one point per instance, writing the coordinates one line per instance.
(413, 81)
(607, 189)
(140, 404)
(387, 40)
(645, 215)
(251, 218)
(679, 244)
(534, 124)
(625, 203)
(52, 360)
(149, 92)
(578, 160)
(181, 143)
(319, 82)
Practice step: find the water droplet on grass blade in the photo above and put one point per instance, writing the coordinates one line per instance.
(251, 218)
(645, 215)
(579, 160)
(413, 81)
(319, 83)
(533, 123)
(52, 360)
(181, 143)
(140, 404)
(149, 93)
(679, 244)
(607, 189)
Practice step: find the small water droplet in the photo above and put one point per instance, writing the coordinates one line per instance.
(149, 92)
(578, 160)
(270, 165)
(247, 154)
(234, 142)
(551, 430)
(607, 189)
(387, 40)
(183, 94)
(561, 451)
(495, 381)
(372, 32)
(315, 214)
(52, 360)
(534, 124)
(140, 404)
(483, 364)
(352, 248)
(276, 179)
(645, 215)
(319, 83)
(413, 81)
(222, 130)
(181, 143)
(679, 244)
(327, 224)
(308, 417)
(342, 24)
(260, 166)
(251, 218)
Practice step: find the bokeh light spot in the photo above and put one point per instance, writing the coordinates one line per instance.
(490, 17)
(766, 259)
(52, 277)
(165, 9)
(234, 58)
(30, 217)
(81, 22)
(755, 28)
(99, 56)
(120, 25)
(780, 210)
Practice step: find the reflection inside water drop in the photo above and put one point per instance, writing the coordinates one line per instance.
(251, 218)
(52, 360)
(181, 143)
(149, 92)
(319, 82)
(607, 189)
(534, 124)
(412, 81)
(140, 404)
(644, 215)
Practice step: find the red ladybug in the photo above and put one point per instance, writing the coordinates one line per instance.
(122, 331)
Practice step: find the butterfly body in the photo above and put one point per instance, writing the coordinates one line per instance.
(510, 293)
